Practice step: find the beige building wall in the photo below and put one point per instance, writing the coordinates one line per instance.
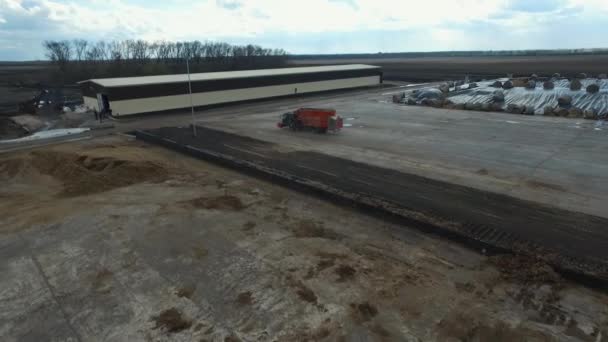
(152, 104)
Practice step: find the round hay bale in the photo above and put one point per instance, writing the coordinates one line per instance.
(548, 85)
(497, 107)
(529, 110)
(575, 112)
(564, 100)
(520, 83)
(548, 111)
(429, 93)
(556, 75)
(507, 85)
(515, 108)
(497, 84)
(472, 106)
(593, 88)
(498, 96)
(437, 103)
(560, 111)
(602, 76)
(531, 84)
(589, 114)
(576, 84)
(582, 75)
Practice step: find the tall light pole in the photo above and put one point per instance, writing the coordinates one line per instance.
(190, 90)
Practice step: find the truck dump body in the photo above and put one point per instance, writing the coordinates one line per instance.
(315, 117)
(319, 119)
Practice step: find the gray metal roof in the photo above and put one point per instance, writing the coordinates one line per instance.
(178, 78)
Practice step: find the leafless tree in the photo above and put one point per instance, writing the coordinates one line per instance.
(58, 52)
(111, 58)
(116, 51)
(153, 50)
(80, 47)
(139, 50)
(164, 51)
(178, 50)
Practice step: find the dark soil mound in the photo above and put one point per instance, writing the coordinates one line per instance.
(172, 321)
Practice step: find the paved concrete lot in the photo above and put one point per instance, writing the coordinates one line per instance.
(109, 239)
(556, 161)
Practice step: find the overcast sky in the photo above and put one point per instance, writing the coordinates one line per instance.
(311, 26)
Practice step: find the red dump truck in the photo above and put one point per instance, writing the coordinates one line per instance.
(320, 120)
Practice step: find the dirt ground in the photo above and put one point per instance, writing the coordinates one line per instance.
(19, 81)
(10, 130)
(442, 68)
(113, 239)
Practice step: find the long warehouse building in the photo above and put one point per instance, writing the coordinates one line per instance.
(136, 95)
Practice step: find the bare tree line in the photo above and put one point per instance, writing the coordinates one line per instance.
(64, 52)
(82, 59)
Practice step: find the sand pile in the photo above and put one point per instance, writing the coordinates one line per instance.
(82, 174)
(10, 168)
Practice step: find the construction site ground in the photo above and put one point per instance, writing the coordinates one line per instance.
(114, 239)
(107, 238)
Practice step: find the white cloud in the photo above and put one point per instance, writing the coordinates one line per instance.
(216, 18)
(446, 24)
(592, 5)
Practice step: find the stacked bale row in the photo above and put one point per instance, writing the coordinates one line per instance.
(435, 97)
(564, 106)
(438, 97)
(565, 109)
